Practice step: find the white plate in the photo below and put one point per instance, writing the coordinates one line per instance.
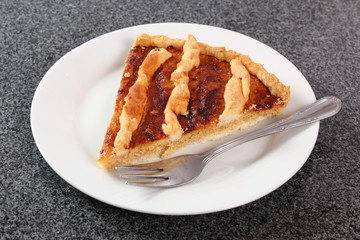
(74, 102)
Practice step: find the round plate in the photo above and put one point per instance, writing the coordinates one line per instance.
(73, 104)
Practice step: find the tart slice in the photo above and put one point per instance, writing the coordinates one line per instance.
(175, 92)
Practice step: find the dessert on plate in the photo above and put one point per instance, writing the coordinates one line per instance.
(174, 92)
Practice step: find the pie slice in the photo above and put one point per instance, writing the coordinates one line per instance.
(175, 92)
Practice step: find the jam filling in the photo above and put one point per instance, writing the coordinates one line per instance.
(206, 84)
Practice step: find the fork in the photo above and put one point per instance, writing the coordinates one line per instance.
(183, 169)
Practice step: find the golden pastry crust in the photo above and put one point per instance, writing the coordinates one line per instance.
(160, 41)
(236, 112)
(270, 80)
(179, 98)
(135, 101)
(236, 92)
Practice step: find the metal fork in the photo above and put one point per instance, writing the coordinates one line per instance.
(183, 169)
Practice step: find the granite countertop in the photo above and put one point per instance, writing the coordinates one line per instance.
(322, 200)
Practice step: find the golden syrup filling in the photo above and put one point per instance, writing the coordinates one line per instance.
(207, 85)
(159, 90)
(259, 97)
(132, 64)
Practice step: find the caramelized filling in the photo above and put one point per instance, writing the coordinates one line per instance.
(159, 91)
(133, 62)
(206, 84)
(259, 97)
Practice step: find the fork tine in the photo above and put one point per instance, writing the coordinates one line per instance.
(131, 178)
(137, 170)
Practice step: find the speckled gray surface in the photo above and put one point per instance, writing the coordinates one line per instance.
(322, 201)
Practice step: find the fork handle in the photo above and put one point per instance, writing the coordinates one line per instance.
(321, 109)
